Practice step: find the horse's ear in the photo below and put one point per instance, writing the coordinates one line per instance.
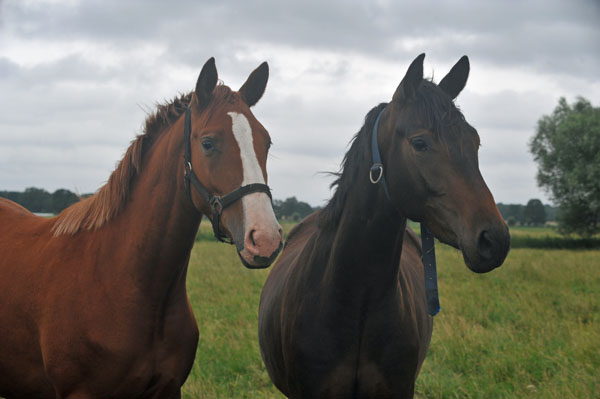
(254, 87)
(410, 83)
(455, 81)
(206, 82)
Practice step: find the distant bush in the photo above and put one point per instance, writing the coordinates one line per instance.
(550, 242)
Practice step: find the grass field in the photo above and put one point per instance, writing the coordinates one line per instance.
(530, 329)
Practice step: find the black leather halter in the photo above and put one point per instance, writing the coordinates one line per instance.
(217, 203)
(427, 238)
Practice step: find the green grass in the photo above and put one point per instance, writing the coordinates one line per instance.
(530, 329)
(225, 298)
(549, 238)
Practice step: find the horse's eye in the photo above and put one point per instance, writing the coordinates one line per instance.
(207, 144)
(419, 144)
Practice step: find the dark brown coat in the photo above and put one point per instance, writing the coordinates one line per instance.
(343, 312)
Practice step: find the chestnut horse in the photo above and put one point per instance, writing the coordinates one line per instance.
(343, 313)
(93, 302)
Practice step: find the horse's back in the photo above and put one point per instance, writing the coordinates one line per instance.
(302, 231)
(15, 219)
(7, 205)
(295, 243)
(23, 236)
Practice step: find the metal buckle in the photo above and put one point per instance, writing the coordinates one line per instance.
(216, 205)
(376, 167)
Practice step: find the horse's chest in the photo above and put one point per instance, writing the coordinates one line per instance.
(123, 358)
(384, 358)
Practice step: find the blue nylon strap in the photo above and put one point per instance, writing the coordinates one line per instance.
(377, 165)
(427, 239)
(430, 270)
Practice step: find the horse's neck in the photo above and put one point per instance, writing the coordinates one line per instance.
(159, 223)
(367, 243)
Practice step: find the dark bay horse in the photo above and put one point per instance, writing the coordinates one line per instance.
(343, 313)
(93, 302)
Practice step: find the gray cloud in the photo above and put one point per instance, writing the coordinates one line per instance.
(77, 108)
(529, 32)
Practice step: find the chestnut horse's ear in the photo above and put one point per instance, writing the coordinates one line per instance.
(455, 81)
(410, 83)
(206, 82)
(254, 87)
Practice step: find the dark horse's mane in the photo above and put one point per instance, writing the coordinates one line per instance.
(357, 156)
(107, 202)
(431, 107)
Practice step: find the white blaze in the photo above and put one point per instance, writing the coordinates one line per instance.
(258, 212)
(243, 135)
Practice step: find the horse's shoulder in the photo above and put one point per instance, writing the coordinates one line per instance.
(410, 261)
(412, 241)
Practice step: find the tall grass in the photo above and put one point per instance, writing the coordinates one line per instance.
(529, 329)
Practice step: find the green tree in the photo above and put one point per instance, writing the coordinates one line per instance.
(566, 147)
(512, 213)
(36, 200)
(62, 198)
(291, 208)
(534, 212)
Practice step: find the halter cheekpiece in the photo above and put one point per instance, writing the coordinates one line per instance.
(376, 176)
(216, 203)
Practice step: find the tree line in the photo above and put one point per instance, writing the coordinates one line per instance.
(39, 200)
(533, 214)
(291, 209)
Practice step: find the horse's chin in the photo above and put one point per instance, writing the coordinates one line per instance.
(471, 256)
(478, 265)
(258, 262)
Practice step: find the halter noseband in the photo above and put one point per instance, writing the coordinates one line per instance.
(217, 203)
(427, 239)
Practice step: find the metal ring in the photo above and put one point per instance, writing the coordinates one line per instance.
(375, 167)
(187, 168)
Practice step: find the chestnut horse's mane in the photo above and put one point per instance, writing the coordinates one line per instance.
(109, 200)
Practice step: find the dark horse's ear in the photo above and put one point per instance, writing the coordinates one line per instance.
(206, 82)
(254, 87)
(410, 83)
(455, 81)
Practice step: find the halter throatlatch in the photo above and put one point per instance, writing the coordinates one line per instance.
(216, 203)
(427, 240)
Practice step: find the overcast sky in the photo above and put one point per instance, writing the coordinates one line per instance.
(77, 78)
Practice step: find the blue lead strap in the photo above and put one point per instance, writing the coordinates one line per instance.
(430, 270)
(427, 240)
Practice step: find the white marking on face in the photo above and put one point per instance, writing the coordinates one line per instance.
(243, 135)
(258, 212)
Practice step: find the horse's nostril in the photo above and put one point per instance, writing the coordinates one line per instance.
(485, 245)
(251, 237)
